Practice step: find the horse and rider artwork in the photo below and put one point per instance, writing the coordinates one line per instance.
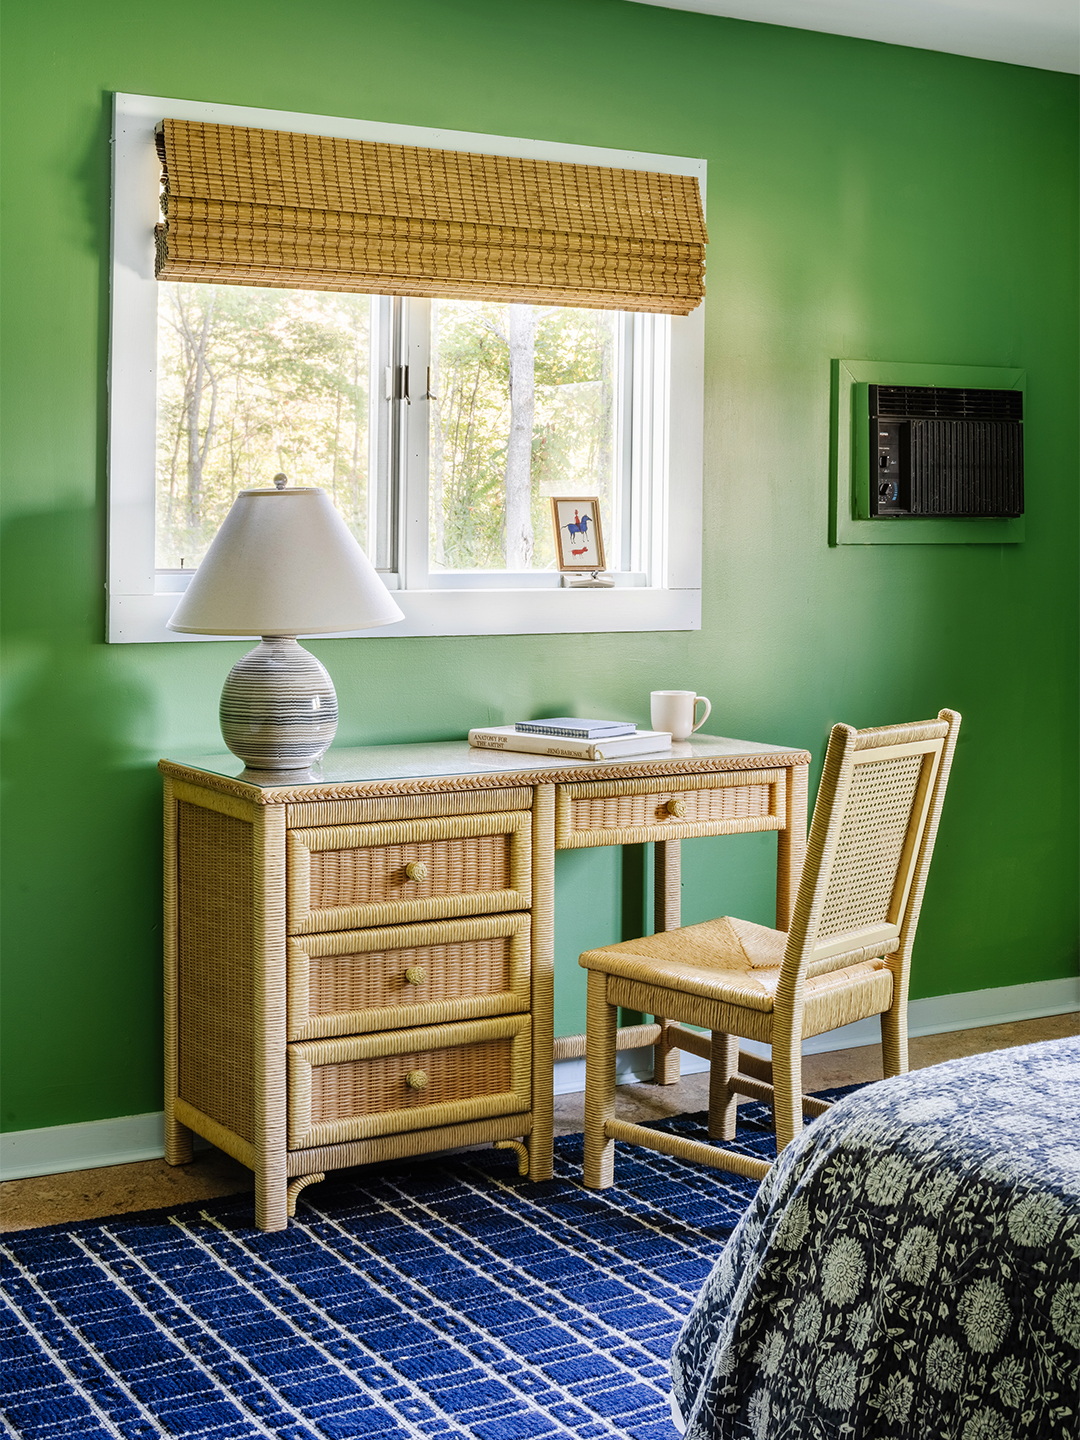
(579, 542)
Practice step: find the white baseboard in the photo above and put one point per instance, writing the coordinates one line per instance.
(935, 1015)
(938, 1014)
(56, 1149)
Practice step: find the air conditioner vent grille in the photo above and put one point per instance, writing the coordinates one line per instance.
(932, 402)
(966, 468)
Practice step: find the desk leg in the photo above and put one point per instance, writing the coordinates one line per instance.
(178, 1138)
(540, 1141)
(791, 845)
(667, 897)
(271, 1177)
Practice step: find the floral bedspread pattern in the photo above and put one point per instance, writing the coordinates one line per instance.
(910, 1268)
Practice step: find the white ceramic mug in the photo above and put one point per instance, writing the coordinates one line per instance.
(675, 711)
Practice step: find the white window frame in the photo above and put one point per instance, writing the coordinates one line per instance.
(666, 449)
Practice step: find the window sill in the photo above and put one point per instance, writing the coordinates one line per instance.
(141, 619)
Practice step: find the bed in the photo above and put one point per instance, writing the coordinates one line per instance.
(910, 1268)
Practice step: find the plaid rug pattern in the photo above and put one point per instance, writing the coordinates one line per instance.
(429, 1300)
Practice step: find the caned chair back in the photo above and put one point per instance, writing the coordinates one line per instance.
(871, 839)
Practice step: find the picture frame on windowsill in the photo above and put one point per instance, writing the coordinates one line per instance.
(579, 536)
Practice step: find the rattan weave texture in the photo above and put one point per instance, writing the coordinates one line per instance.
(368, 1087)
(622, 812)
(372, 875)
(382, 979)
(322, 813)
(407, 1079)
(643, 810)
(374, 1149)
(342, 877)
(215, 952)
(675, 829)
(265, 207)
(444, 972)
(670, 785)
(871, 840)
(730, 1019)
(543, 981)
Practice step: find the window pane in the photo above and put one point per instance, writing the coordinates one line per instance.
(525, 409)
(252, 382)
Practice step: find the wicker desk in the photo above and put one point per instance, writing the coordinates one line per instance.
(358, 965)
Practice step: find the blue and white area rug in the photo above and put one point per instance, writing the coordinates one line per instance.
(444, 1299)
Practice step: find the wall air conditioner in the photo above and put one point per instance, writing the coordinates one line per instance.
(947, 453)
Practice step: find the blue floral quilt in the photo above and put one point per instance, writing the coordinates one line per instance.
(909, 1270)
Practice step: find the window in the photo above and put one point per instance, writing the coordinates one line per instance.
(253, 381)
(440, 426)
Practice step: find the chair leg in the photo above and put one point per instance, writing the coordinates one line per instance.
(600, 1027)
(894, 1046)
(666, 1063)
(787, 1083)
(667, 901)
(723, 1064)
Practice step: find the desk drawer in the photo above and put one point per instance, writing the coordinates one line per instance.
(673, 807)
(352, 982)
(368, 1085)
(342, 877)
(311, 813)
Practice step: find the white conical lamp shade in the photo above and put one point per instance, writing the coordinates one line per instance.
(284, 563)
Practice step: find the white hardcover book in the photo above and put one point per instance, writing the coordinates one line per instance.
(505, 737)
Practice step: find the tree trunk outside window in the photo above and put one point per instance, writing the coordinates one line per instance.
(519, 530)
(198, 347)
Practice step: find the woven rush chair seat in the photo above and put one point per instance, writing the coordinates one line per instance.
(846, 957)
(703, 966)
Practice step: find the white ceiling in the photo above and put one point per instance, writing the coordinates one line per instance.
(1041, 33)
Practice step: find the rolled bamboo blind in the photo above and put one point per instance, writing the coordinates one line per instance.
(268, 207)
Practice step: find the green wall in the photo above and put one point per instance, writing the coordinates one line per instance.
(864, 201)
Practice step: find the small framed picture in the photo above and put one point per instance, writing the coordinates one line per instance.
(579, 541)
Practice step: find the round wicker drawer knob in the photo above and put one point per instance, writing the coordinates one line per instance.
(676, 808)
(416, 1079)
(416, 975)
(416, 870)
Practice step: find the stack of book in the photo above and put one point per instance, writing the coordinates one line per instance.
(572, 739)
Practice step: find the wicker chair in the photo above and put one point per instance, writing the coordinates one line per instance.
(845, 958)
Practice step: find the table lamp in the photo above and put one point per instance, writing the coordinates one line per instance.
(283, 564)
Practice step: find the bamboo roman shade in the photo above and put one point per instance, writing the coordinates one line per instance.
(268, 207)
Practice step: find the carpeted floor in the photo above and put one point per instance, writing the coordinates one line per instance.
(429, 1299)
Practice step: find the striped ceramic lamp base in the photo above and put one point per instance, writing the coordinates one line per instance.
(278, 707)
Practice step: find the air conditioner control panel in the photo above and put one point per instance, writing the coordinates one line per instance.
(890, 492)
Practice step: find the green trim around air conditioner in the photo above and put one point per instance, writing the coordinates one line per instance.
(849, 470)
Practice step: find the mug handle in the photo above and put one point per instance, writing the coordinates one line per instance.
(701, 699)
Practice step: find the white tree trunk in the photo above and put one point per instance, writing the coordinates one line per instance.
(436, 451)
(519, 530)
(197, 350)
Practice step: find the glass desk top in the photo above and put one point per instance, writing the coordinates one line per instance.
(430, 760)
